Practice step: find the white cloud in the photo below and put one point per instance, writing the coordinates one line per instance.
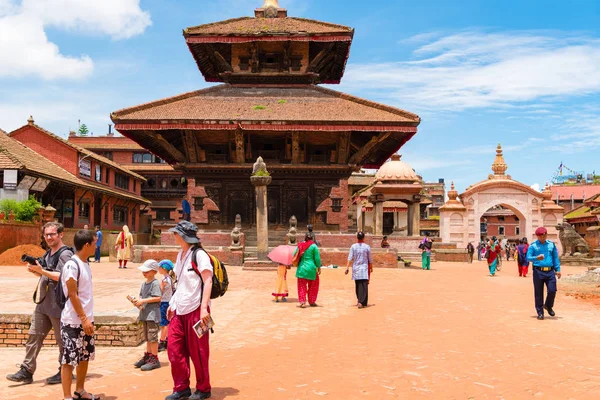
(536, 187)
(24, 46)
(477, 69)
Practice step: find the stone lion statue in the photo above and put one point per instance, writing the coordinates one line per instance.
(259, 165)
(292, 236)
(571, 241)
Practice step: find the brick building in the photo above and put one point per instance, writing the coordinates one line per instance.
(83, 187)
(502, 223)
(571, 196)
(586, 215)
(164, 187)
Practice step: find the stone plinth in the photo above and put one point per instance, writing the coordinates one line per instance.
(223, 253)
(262, 223)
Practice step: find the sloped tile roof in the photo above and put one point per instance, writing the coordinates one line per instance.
(80, 149)
(237, 103)
(28, 160)
(262, 26)
(579, 192)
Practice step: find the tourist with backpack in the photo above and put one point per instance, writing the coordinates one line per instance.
(188, 305)
(522, 262)
(46, 315)
(425, 248)
(75, 297)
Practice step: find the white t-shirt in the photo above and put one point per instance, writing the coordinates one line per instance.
(84, 290)
(188, 295)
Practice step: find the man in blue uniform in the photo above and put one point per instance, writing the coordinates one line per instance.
(546, 267)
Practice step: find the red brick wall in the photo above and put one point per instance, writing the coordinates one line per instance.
(382, 258)
(592, 237)
(337, 218)
(207, 238)
(123, 157)
(14, 331)
(199, 216)
(60, 153)
(143, 253)
(111, 225)
(17, 233)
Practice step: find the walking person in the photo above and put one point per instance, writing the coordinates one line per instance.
(281, 286)
(149, 301)
(479, 248)
(425, 247)
(522, 262)
(98, 244)
(470, 251)
(543, 255)
(308, 271)
(46, 315)
(493, 255)
(362, 266)
(190, 304)
(77, 317)
(123, 245)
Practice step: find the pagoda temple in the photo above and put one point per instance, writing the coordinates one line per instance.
(270, 105)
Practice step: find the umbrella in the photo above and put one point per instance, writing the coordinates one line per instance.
(282, 254)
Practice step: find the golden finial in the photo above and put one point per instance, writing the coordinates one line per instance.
(271, 3)
(499, 166)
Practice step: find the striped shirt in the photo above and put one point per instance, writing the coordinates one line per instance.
(360, 253)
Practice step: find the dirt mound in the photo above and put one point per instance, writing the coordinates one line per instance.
(13, 256)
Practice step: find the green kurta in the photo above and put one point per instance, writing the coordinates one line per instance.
(310, 261)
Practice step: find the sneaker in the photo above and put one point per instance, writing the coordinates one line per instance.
(152, 363)
(184, 394)
(55, 379)
(22, 376)
(162, 345)
(198, 395)
(142, 361)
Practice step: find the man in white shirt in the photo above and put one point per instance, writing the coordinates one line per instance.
(77, 317)
(189, 305)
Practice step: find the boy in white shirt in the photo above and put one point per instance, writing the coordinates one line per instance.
(189, 304)
(77, 317)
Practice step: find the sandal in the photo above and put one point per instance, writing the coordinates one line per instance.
(302, 305)
(79, 396)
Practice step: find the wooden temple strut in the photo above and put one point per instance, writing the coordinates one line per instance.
(366, 149)
(82, 196)
(173, 151)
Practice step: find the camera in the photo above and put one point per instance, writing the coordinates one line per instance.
(32, 260)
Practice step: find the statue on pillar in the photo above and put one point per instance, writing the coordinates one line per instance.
(236, 235)
(238, 221)
(293, 222)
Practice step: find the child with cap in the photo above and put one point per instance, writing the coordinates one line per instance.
(150, 297)
(167, 287)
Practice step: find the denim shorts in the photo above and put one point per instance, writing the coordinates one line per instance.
(164, 305)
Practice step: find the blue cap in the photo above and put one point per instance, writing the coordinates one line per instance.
(166, 264)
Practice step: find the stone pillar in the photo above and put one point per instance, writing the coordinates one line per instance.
(413, 219)
(378, 218)
(262, 222)
(417, 219)
(359, 216)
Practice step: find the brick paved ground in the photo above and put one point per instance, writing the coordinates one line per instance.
(449, 333)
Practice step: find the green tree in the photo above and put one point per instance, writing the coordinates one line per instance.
(23, 210)
(83, 130)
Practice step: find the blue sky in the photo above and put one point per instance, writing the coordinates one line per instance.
(522, 73)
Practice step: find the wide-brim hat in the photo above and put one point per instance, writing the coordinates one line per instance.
(149, 265)
(187, 231)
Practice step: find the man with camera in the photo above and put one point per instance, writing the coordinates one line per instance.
(46, 315)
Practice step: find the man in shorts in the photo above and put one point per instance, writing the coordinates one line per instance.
(77, 317)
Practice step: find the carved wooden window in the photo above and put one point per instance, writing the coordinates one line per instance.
(336, 204)
(84, 210)
(164, 214)
(271, 62)
(501, 230)
(120, 215)
(296, 62)
(198, 203)
(244, 63)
